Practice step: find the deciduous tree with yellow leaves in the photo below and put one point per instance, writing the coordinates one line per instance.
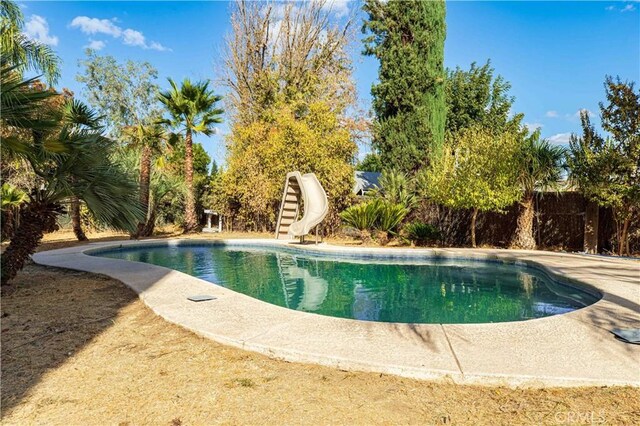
(477, 170)
(289, 78)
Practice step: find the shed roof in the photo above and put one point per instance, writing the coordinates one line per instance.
(365, 181)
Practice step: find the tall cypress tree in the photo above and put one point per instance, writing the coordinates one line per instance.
(407, 37)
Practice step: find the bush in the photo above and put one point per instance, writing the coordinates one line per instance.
(375, 214)
(362, 216)
(389, 216)
(394, 187)
(421, 233)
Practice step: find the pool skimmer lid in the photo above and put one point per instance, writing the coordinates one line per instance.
(201, 298)
(628, 335)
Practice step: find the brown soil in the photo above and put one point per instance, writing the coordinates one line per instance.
(80, 348)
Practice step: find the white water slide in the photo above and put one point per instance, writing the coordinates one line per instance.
(301, 191)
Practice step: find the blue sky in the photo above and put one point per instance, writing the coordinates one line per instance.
(555, 54)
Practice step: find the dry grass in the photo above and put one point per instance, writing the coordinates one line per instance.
(79, 348)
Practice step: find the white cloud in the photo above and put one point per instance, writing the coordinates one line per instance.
(589, 112)
(157, 46)
(552, 114)
(628, 7)
(533, 126)
(133, 38)
(136, 38)
(339, 8)
(129, 36)
(96, 44)
(96, 26)
(37, 28)
(560, 138)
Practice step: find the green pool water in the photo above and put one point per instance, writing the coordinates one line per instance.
(410, 291)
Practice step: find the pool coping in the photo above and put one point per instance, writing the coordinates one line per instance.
(572, 349)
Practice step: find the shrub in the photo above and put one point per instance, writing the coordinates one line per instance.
(375, 214)
(421, 233)
(362, 216)
(394, 187)
(390, 215)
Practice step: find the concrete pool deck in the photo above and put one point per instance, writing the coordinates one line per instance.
(573, 349)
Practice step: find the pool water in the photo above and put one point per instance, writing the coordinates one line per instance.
(410, 291)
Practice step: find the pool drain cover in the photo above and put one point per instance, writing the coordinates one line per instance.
(201, 298)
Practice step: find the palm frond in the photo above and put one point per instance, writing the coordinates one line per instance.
(21, 104)
(19, 49)
(394, 187)
(192, 105)
(542, 164)
(11, 196)
(78, 113)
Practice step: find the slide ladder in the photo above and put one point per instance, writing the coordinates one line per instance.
(306, 191)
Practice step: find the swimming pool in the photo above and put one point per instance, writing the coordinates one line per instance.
(428, 290)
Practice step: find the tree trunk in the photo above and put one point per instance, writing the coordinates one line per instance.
(145, 179)
(523, 238)
(623, 247)
(147, 231)
(36, 218)
(591, 224)
(474, 216)
(76, 219)
(190, 220)
(8, 225)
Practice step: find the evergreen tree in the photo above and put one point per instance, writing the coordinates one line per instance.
(370, 163)
(476, 97)
(407, 37)
(126, 95)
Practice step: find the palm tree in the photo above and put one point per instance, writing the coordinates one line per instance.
(150, 139)
(541, 170)
(192, 109)
(22, 109)
(164, 186)
(78, 115)
(12, 199)
(71, 161)
(17, 48)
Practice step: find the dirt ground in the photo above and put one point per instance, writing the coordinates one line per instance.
(81, 349)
